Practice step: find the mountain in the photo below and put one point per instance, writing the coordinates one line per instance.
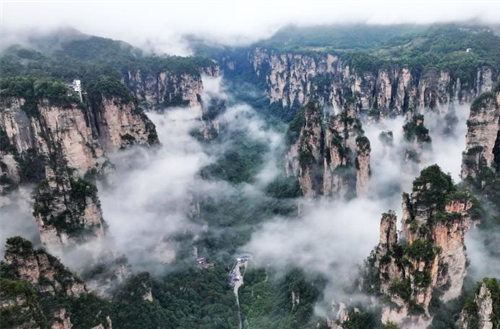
(237, 188)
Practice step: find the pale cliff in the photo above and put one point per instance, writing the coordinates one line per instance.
(329, 156)
(38, 291)
(482, 150)
(427, 259)
(58, 144)
(164, 88)
(292, 79)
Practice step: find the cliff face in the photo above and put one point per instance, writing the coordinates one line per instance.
(48, 128)
(329, 156)
(55, 146)
(162, 89)
(40, 269)
(417, 136)
(37, 290)
(428, 259)
(482, 310)
(293, 79)
(120, 124)
(482, 139)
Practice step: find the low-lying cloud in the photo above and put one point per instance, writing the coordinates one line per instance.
(156, 192)
(16, 217)
(334, 237)
(160, 26)
(150, 199)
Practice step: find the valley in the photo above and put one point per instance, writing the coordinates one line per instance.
(354, 169)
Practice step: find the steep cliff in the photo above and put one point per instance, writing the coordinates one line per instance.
(294, 78)
(212, 123)
(329, 156)
(40, 269)
(117, 119)
(67, 210)
(482, 310)
(482, 153)
(417, 137)
(51, 139)
(162, 87)
(427, 260)
(39, 292)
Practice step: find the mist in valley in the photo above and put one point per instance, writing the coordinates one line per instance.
(215, 186)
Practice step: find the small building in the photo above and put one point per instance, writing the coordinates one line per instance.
(468, 50)
(202, 263)
(76, 85)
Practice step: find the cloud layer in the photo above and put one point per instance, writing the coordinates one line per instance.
(161, 25)
(333, 238)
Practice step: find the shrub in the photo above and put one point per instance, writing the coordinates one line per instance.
(401, 288)
(421, 250)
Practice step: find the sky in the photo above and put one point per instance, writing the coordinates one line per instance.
(160, 25)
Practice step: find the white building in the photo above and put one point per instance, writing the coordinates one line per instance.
(77, 87)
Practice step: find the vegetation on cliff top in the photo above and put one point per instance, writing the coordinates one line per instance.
(368, 48)
(414, 129)
(110, 88)
(87, 58)
(35, 90)
(432, 188)
(486, 99)
(471, 307)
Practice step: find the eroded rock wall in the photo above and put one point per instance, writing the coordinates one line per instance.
(482, 139)
(328, 154)
(59, 148)
(158, 90)
(429, 254)
(292, 79)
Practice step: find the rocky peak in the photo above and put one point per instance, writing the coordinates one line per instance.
(482, 139)
(388, 229)
(42, 270)
(429, 253)
(482, 310)
(67, 210)
(417, 136)
(57, 142)
(304, 158)
(330, 156)
(38, 291)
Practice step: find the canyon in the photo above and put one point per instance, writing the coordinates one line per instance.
(248, 167)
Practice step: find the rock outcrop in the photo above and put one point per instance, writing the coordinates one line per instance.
(67, 210)
(164, 88)
(120, 124)
(293, 79)
(427, 259)
(107, 274)
(482, 151)
(40, 269)
(211, 122)
(38, 291)
(417, 137)
(58, 143)
(329, 156)
(483, 309)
